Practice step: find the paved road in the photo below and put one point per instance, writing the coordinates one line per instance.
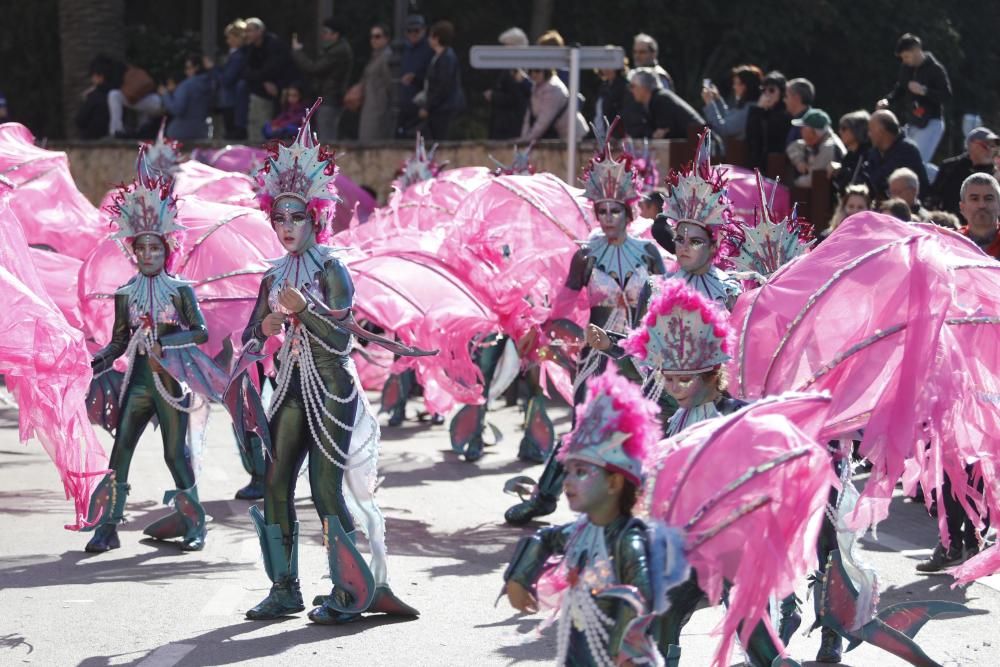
(152, 605)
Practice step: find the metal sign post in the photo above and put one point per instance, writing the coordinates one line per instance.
(572, 58)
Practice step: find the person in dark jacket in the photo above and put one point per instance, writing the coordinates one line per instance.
(614, 99)
(853, 131)
(231, 97)
(414, 61)
(768, 121)
(443, 97)
(92, 117)
(665, 115)
(977, 158)
(510, 94)
(189, 103)
(922, 88)
(269, 69)
(330, 71)
(890, 151)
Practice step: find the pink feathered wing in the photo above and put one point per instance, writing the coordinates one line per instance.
(886, 316)
(756, 531)
(47, 368)
(45, 199)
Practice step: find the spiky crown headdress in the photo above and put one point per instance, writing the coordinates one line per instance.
(682, 332)
(145, 206)
(164, 156)
(766, 245)
(607, 179)
(645, 163)
(418, 167)
(520, 164)
(697, 192)
(614, 427)
(303, 169)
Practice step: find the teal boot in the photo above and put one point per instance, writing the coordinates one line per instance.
(255, 464)
(106, 511)
(353, 583)
(282, 569)
(187, 521)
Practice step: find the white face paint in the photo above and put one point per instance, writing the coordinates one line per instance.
(695, 249)
(150, 253)
(613, 218)
(293, 224)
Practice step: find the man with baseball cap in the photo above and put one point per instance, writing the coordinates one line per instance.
(980, 146)
(817, 150)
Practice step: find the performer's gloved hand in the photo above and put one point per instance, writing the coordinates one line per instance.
(521, 598)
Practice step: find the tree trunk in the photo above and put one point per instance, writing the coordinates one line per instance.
(541, 17)
(86, 28)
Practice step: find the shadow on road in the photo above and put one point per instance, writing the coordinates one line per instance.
(223, 646)
(79, 567)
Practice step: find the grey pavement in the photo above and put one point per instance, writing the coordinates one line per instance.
(152, 605)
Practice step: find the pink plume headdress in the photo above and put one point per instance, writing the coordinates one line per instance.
(607, 179)
(697, 192)
(682, 332)
(767, 244)
(645, 164)
(164, 156)
(614, 427)
(418, 167)
(303, 169)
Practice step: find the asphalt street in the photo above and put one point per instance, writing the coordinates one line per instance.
(152, 605)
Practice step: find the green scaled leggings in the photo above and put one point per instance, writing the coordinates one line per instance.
(292, 439)
(142, 402)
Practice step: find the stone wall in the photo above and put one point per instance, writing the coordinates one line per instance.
(98, 166)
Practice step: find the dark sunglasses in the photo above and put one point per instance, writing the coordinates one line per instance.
(413, 30)
(377, 35)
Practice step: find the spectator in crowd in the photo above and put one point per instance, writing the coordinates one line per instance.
(549, 113)
(664, 114)
(510, 94)
(980, 206)
(922, 87)
(92, 117)
(416, 57)
(853, 132)
(268, 69)
(375, 122)
(3, 107)
(890, 151)
(854, 200)
(444, 98)
(293, 109)
(645, 51)
(904, 184)
(819, 149)
(980, 145)
(799, 96)
(897, 208)
(729, 121)
(651, 204)
(231, 91)
(137, 91)
(188, 103)
(553, 38)
(330, 72)
(613, 99)
(768, 121)
(944, 219)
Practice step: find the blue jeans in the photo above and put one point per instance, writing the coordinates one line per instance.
(926, 138)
